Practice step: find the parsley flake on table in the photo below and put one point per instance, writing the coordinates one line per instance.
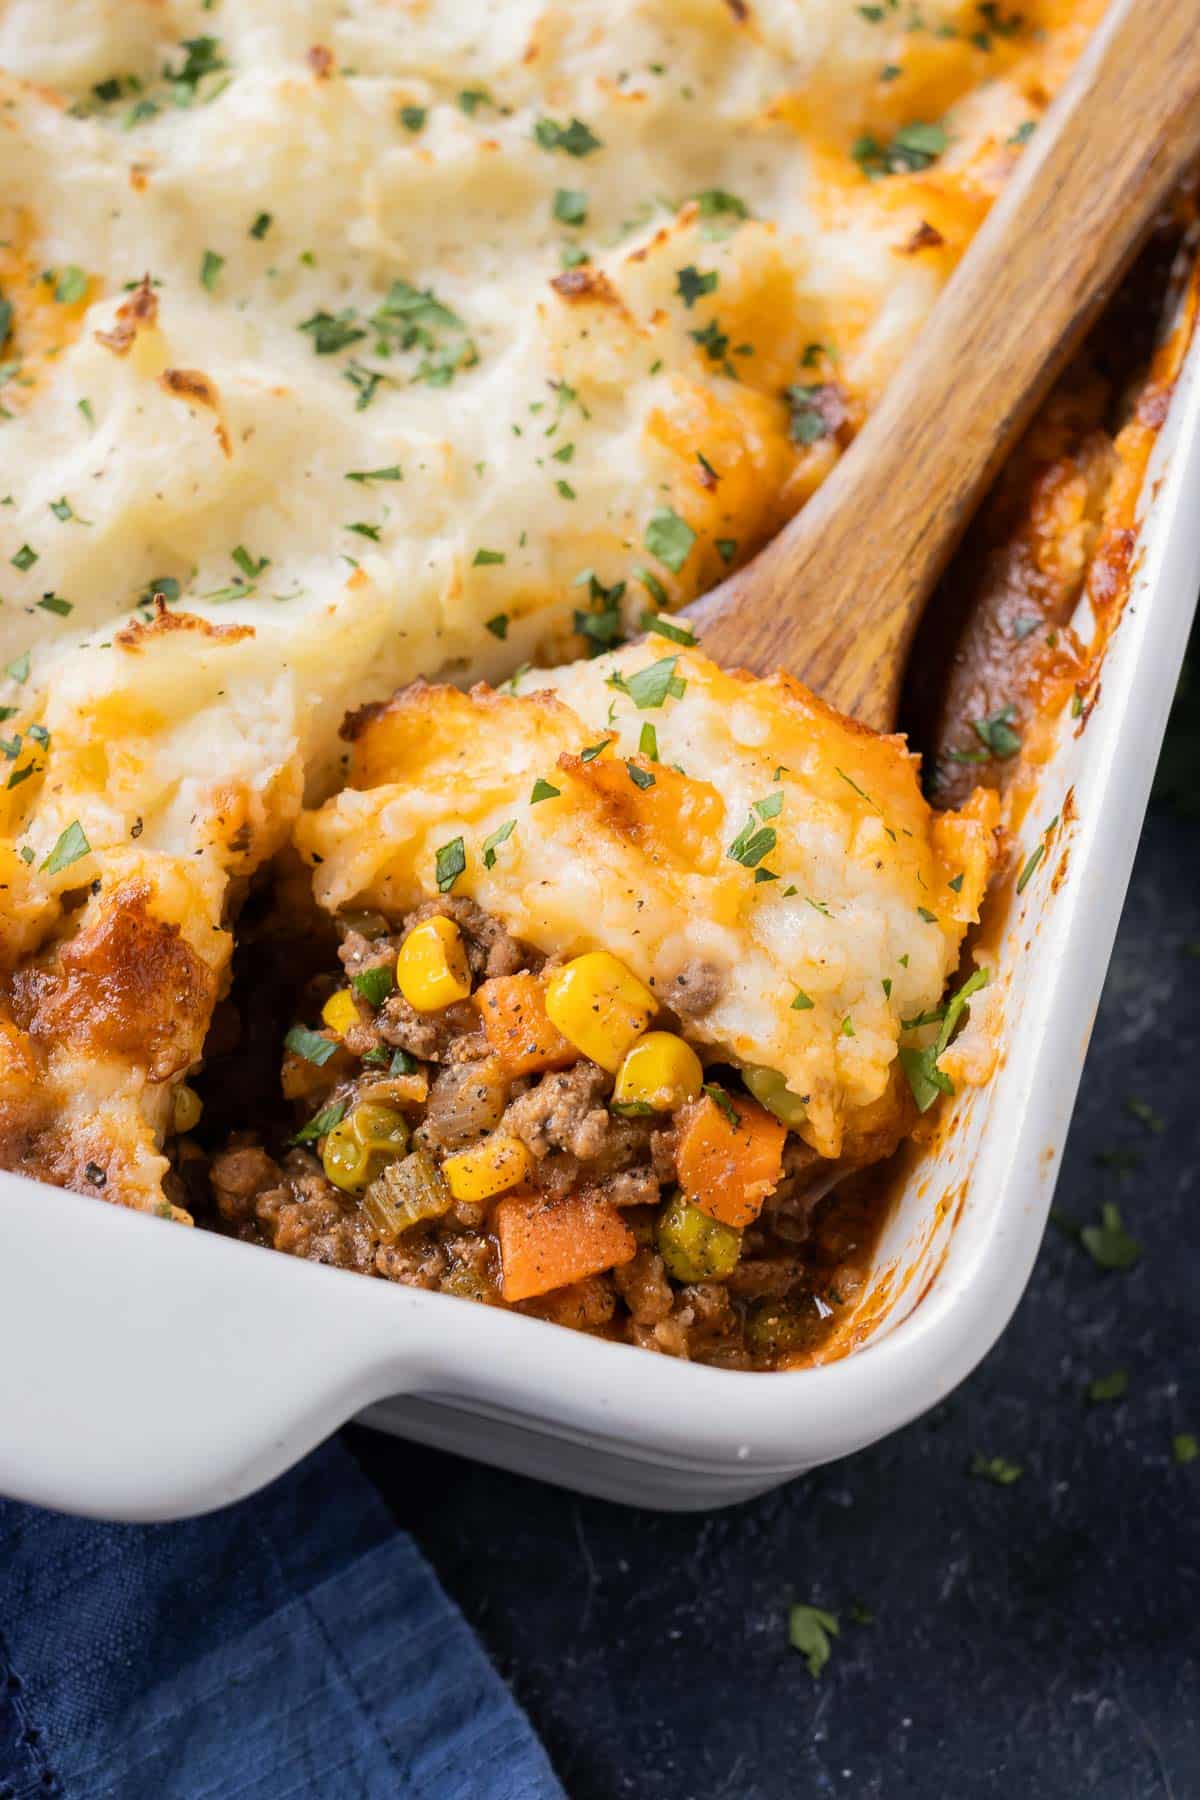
(996, 1469)
(1108, 1243)
(1109, 1387)
(809, 1631)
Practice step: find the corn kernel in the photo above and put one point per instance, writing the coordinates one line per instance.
(339, 1011)
(431, 969)
(379, 1127)
(494, 1166)
(345, 1160)
(660, 1072)
(186, 1108)
(600, 1006)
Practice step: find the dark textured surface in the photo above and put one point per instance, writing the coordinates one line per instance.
(1040, 1640)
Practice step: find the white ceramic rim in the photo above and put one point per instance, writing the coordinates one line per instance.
(154, 1372)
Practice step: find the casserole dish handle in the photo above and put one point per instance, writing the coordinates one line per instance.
(152, 1372)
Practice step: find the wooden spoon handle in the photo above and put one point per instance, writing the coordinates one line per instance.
(836, 596)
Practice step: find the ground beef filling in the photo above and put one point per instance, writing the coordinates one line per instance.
(439, 1075)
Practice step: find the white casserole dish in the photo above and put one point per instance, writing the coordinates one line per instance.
(152, 1373)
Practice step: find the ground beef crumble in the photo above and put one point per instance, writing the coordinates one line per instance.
(576, 1144)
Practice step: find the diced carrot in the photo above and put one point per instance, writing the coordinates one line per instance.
(727, 1170)
(513, 1008)
(547, 1243)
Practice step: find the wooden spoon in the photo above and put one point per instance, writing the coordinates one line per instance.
(836, 596)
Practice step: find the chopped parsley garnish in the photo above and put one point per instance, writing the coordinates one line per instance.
(543, 790)
(807, 423)
(996, 1469)
(471, 99)
(721, 1099)
(651, 686)
(203, 57)
(570, 206)
(997, 734)
(913, 148)
(1109, 1387)
(18, 669)
(449, 864)
(752, 843)
(1024, 132)
(498, 626)
(311, 1045)
(714, 342)
(669, 538)
(413, 117)
(71, 845)
(726, 549)
(691, 283)
(668, 628)
(809, 1631)
(925, 1079)
(24, 559)
(641, 778)
(592, 751)
(374, 985)
(210, 267)
(249, 565)
(930, 918)
(262, 225)
(576, 139)
(62, 509)
(722, 212)
(322, 1122)
(493, 842)
(365, 530)
(70, 285)
(653, 587)
(331, 332)
(1030, 869)
(393, 473)
(565, 489)
(648, 741)
(54, 603)
(483, 558)
(770, 808)
(85, 407)
(801, 1003)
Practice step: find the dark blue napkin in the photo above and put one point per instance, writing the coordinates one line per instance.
(294, 1645)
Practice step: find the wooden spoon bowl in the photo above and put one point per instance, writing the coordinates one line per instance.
(835, 598)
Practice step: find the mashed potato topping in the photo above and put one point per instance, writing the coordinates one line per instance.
(652, 805)
(344, 344)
